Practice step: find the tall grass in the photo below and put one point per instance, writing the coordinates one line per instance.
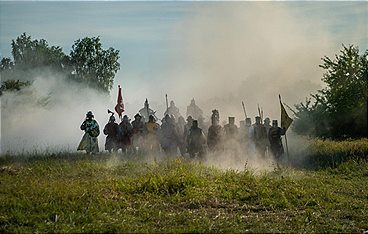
(327, 153)
(109, 193)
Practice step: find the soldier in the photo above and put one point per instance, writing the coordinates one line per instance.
(145, 112)
(249, 144)
(274, 136)
(260, 137)
(231, 130)
(138, 129)
(151, 134)
(181, 129)
(111, 130)
(125, 134)
(187, 127)
(169, 137)
(89, 140)
(215, 133)
(195, 140)
(193, 110)
(267, 124)
(172, 110)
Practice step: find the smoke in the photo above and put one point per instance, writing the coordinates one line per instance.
(47, 115)
(247, 51)
(224, 53)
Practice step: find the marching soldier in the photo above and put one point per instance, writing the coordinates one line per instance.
(231, 130)
(138, 129)
(260, 137)
(146, 111)
(274, 136)
(125, 134)
(215, 133)
(169, 137)
(196, 140)
(151, 134)
(172, 110)
(111, 130)
(194, 110)
(89, 141)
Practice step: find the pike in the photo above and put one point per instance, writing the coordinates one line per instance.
(259, 113)
(245, 113)
(147, 109)
(167, 103)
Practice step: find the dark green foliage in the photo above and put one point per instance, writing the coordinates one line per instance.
(88, 63)
(92, 64)
(30, 54)
(13, 85)
(340, 109)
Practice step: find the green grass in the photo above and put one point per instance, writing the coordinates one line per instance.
(80, 193)
(327, 153)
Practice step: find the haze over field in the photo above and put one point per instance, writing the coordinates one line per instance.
(220, 53)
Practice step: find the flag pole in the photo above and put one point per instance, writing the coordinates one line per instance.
(286, 144)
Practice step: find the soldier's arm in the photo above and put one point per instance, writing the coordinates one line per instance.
(83, 126)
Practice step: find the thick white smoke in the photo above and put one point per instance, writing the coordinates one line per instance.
(223, 54)
(47, 115)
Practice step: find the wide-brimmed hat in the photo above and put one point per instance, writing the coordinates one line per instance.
(89, 114)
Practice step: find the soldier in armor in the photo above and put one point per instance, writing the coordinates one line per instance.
(111, 130)
(138, 129)
(187, 127)
(274, 136)
(151, 135)
(181, 129)
(260, 137)
(125, 134)
(89, 140)
(194, 110)
(267, 124)
(169, 137)
(215, 133)
(231, 130)
(145, 112)
(249, 144)
(195, 140)
(172, 110)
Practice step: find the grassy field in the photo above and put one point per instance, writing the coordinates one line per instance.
(104, 193)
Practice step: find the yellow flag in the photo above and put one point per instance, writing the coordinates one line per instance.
(285, 119)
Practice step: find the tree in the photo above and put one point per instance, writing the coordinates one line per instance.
(93, 65)
(88, 63)
(31, 54)
(340, 109)
(13, 85)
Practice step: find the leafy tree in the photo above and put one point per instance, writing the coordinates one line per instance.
(93, 65)
(340, 109)
(30, 54)
(13, 85)
(88, 63)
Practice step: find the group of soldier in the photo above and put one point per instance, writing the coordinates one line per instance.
(191, 137)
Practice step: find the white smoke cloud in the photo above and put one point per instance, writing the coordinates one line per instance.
(47, 115)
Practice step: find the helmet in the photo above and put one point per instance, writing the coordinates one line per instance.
(89, 114)
(112, 119)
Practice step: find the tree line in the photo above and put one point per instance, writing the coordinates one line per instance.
(87, 63)
(338, 111)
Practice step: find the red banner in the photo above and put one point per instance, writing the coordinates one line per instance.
(119, 108)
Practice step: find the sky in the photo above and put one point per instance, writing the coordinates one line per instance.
(204, 50)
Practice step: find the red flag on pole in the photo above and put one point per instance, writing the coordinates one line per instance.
(119, 108)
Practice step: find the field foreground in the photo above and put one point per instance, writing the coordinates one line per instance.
(79, 193)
